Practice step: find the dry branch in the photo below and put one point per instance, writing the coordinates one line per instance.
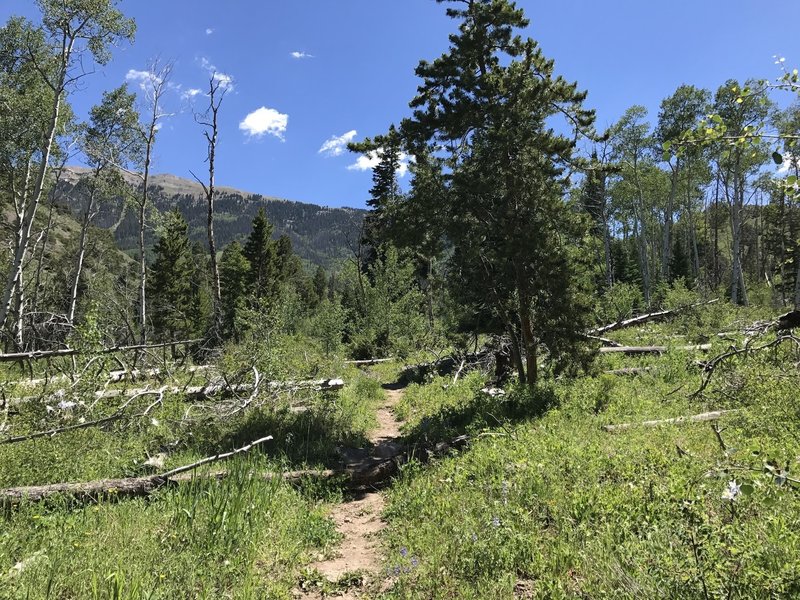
(654, 316)
(40, 354)
(629, 371)
(655, 349)
(709, 416)
(213, 388)
(369, 475)
(370, 361)
(119, 414)
(130, 487)
(710, 366)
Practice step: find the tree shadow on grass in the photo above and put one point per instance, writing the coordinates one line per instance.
(482, 412)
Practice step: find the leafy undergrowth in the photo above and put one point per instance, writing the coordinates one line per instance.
(547, 504)
(245, 536)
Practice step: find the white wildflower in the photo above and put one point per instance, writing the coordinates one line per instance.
(732, 491)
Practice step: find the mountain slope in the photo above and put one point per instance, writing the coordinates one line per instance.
(319, 234)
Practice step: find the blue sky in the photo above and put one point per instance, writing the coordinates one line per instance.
(304, 73)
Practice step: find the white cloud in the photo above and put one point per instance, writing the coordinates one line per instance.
(299, 55)
(145, 79)
(191, 93)
(265, 121)
(209, 31)
(370, 160)
(225, 81)
(336, 145)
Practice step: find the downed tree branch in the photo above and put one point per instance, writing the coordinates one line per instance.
(369, 475)
(215, 458)
(129, 487)
(710, 366)
(654, 316)
(602, 340)
(629, 371)
(210, 389)
(369, 361)
(709, 416)
(40, 354)
(655, 349)
(119, 414)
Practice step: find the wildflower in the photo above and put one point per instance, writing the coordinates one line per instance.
(733, 490)
(495, 522)
(66, 405)
(404, 552)
(504, 492)
(474, 537)
(414, 562)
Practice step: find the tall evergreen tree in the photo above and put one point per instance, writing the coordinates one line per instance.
(234, 272)
(488, 102)
(171, 293)
(261, 253)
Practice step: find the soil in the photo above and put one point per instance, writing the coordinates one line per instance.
(358, 518)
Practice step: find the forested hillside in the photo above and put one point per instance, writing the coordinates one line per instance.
(319, 235)
(550, 360)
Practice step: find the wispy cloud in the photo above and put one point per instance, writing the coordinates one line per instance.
(300, 55)
(265, 121)
(144, 79)
(225, 80)
(191, 93)
(336, 145)
(209, 31)
(371, 159)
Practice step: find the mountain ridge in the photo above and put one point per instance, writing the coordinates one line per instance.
(320, 234)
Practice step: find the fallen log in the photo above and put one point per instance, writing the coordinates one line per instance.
(602, 340)
(40, 354)
(629, 371)
(370, 475)
(654, 316)
(115, 376)
(130, 487)
(655, 349)
(211, 389)
(709, 416)
(443, 366)
(369, 361)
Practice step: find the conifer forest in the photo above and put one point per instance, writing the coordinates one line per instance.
(550, 358)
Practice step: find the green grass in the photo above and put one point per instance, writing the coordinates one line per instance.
(246, 536)
(553, 506)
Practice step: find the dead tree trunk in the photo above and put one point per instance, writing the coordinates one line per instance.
(209, 120)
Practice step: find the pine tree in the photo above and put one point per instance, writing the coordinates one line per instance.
(261, 253)
(234, 271)
(488, 102)
(320, 284)
(171, 291)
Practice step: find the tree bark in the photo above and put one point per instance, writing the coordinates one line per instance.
(87, 219)
(14, 276)
(666, 251)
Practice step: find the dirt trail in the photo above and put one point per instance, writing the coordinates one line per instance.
(358, 518)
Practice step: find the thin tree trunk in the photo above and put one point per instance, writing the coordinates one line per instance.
(638, 231)
(14, 276)
(87, 219)
(142, 256)
(526, 327)
(607, 250)
(737, 278)
(666, 251)
(692, 231)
